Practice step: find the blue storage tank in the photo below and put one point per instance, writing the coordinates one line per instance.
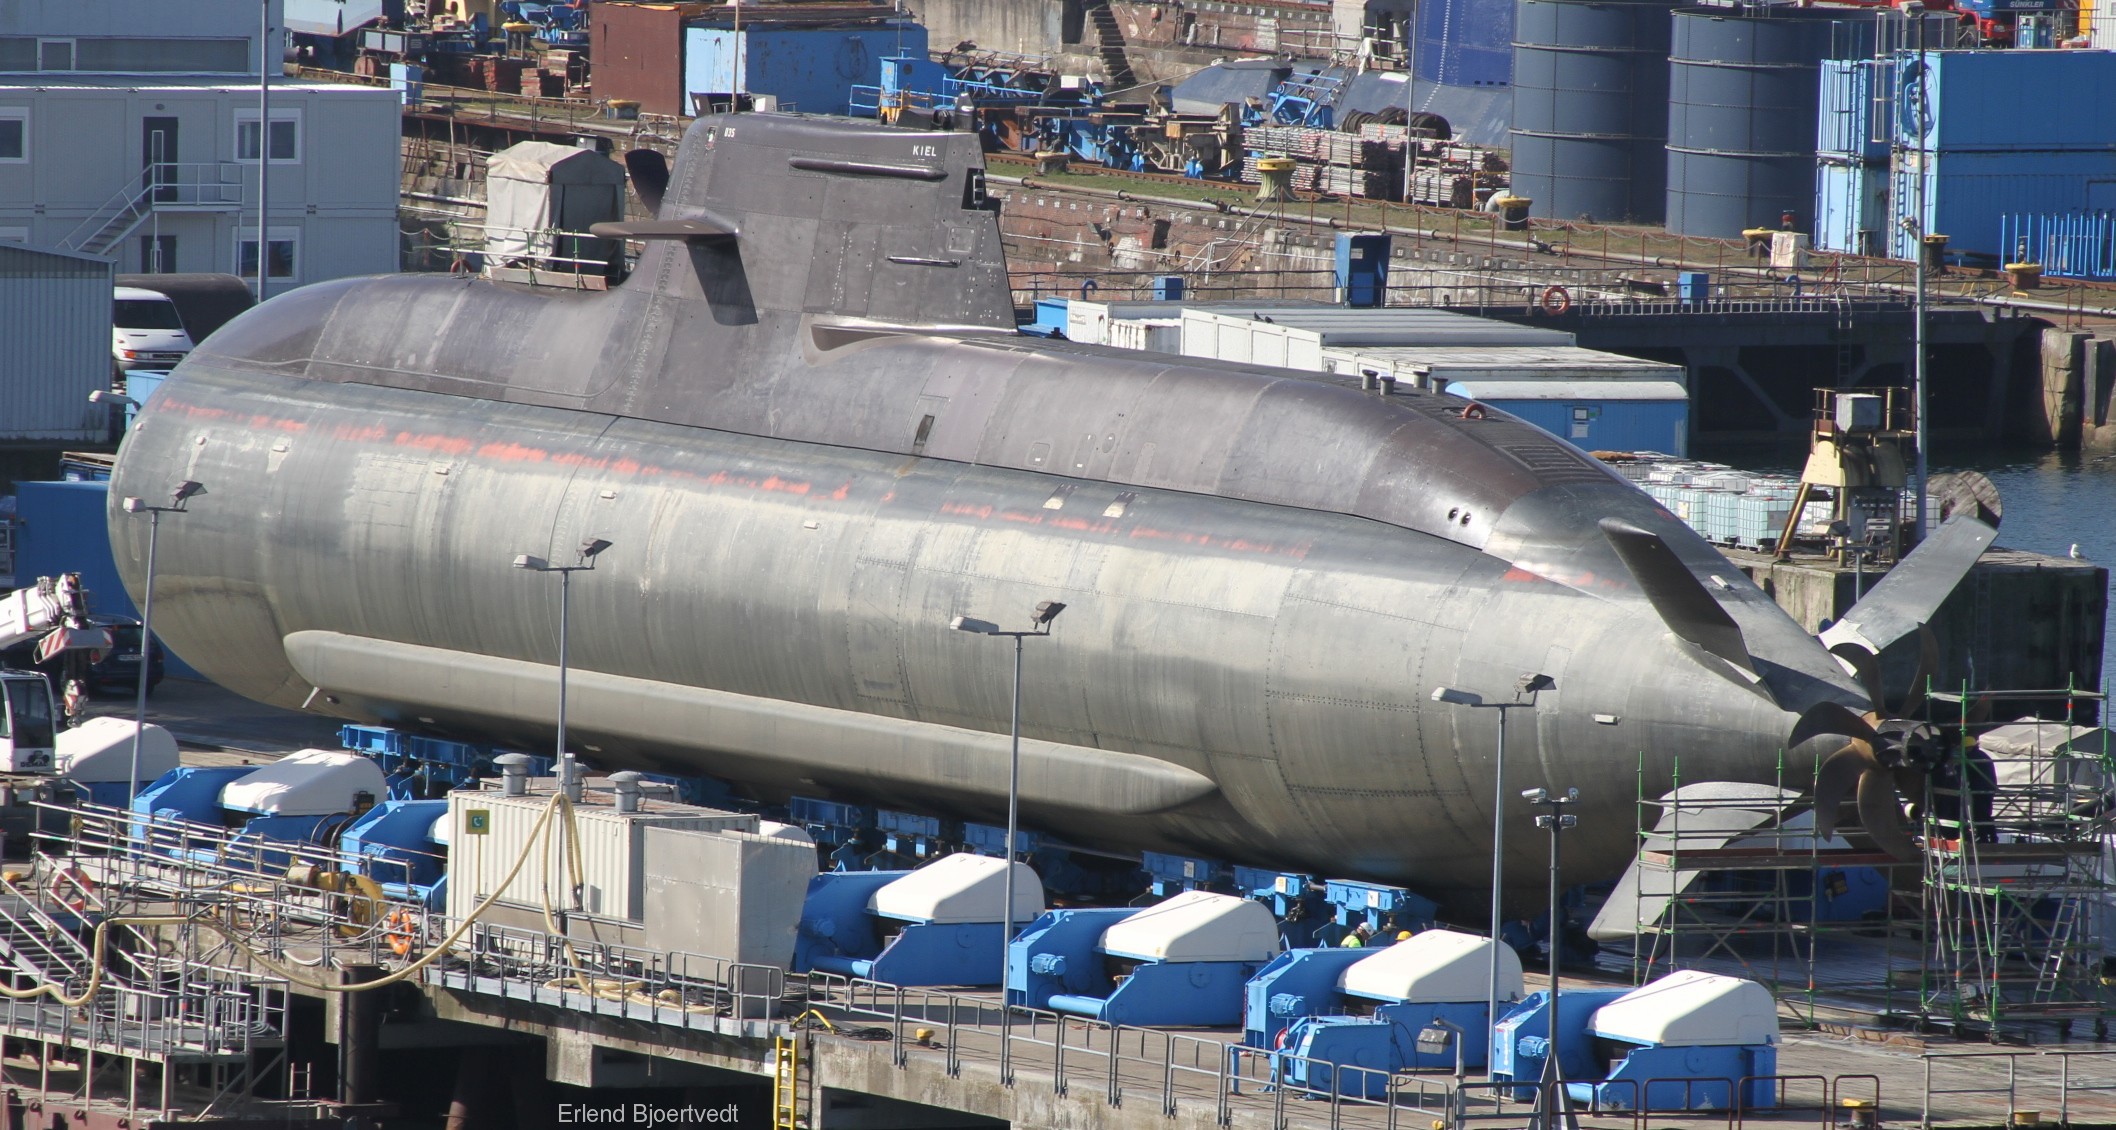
(1742, 107)
(1590, 108)
(811, 69)
(1616, 415)
(1991, 142)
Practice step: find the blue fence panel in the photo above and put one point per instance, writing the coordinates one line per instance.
(2073, 245)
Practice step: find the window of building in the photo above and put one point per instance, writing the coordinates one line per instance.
(285, 140)
(14, 134)
(184, 56)
(18, 53)
(281, 255)
(55, 54)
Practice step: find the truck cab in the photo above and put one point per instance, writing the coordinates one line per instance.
(28, 723)
(145, 330)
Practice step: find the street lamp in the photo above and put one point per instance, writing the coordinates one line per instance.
(568, 772)
(1530, 685)
(1557, 1111)
(111, 396)
(185, 491)
(1039, 625)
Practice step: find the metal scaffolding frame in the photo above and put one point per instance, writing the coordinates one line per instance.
(1728, 885)
(2016, 875)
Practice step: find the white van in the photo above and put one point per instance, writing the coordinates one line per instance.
(145, 331)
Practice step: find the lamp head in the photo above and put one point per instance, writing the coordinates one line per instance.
(134, 505)
(973, 624)
(111, 396)
(1535, 796)
(530, 561)
(1531, 683)
(1456, 697)
(591, 547)
(1046, 611)
(185, 490)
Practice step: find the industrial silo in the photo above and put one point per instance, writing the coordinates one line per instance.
(1742, 96)
(1590, 115)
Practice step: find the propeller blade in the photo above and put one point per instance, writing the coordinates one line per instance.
(650, 177)
(1834, 781)
(1831, 718)
(1928, 667)
(1913, 590)
(1881, 814)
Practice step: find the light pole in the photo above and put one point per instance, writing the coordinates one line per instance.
(1921, 121)
(568, 772)
(265, 62)
(1557, 1110)
(178, 498)
(1040, 625)
(1529, 685)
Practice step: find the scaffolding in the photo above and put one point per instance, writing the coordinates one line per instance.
(2017, 886)
(1732, 879)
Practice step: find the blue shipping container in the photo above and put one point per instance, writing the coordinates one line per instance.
(1639, 420)
(65, 529)
(1851, 204)
(2008, 101)
(1845, 122)
(1967, 193)
(808, 69)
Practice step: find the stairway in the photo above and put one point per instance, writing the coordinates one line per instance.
(35, 949)
(1109, 40)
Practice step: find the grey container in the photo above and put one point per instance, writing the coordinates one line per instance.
(1590, 108)
(54, 345)
(1743, 92)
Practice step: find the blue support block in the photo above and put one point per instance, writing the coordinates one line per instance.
(1686, 1078)
(1522, 1041)
(1057, 956)
(1203, 994)
(190, 792)
(937, 953)
(1380, 907)
(836, 930)
(1174, 874)
(1317, 1045)
(392, 843)
(1295, 984)
(991, 839)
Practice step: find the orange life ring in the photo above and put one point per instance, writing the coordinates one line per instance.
(1556, 300)
(400, 928)
(71, 888)
(1474, 411)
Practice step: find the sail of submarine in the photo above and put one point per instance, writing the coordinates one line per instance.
(808, 432)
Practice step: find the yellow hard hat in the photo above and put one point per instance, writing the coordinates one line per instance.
(1403, 935)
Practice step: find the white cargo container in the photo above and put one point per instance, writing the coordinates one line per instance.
(1156, 335)
(1295, 337)
(1434, 367)
(489, 830)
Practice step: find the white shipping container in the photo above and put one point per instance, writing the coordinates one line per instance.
(1157, 335)
(1247, 339)
(1087, 322)
(612, 849)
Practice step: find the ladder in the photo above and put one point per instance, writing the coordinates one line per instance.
(785, 1083)
(2051, 976)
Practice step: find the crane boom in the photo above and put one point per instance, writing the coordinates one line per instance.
(55, 610)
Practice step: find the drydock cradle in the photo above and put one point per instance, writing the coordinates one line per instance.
(207, 944)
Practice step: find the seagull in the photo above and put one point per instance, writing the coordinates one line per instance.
(2074, 553)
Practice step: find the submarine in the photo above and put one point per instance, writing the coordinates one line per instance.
(809, 436)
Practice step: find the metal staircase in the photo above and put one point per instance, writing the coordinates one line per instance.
(162, 186)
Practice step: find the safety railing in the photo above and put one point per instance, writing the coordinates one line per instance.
(162, 184)
(2027, 1079)
(675, 988)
